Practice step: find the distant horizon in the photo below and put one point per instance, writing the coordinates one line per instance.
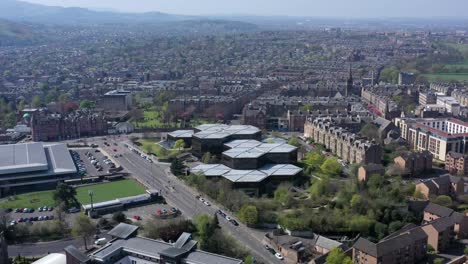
(343, 9)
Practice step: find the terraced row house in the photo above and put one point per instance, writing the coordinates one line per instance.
(347, 145)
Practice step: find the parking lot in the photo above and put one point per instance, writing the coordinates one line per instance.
(25, 215)
(92, 162)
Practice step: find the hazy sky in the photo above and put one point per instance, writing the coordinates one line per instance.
(323, 8)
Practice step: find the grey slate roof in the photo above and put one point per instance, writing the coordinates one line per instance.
(73, 251)
(219, 131)
(439, 210)
(219, 170)
(123, 230)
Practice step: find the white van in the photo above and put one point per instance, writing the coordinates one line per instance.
(100, 241)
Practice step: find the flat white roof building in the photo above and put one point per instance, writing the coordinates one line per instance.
(29, 164)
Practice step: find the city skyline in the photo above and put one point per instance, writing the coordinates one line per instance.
(319, 8)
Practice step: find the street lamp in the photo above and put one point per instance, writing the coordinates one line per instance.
(91, 194)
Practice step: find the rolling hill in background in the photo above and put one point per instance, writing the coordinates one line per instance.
(22, 11)
(12, 33)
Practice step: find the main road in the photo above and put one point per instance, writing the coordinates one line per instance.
(157, 176)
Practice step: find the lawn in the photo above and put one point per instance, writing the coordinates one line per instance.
(447, 77)
(109, 191)
(150, 145)
(30, 200)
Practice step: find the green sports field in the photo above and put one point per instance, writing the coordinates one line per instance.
(102, 192)
(109, 191)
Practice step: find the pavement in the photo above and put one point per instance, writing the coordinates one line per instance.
(157, 176)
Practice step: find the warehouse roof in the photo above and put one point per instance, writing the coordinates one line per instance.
(18, 158)
(35, 158)
(219, 170)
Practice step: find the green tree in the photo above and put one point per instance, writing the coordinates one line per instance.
(443, 200)
(176, 167)
(320, 187)
(370, 131)
(205, 226)
(314, 160)
(282, 195)
(331, 167)
(465, 250)
(83, 228)
(87, 104)
(119, 217)
(356, 202)
(179, 144)
(390, 75)
(36, 101)
(64, 193)
(337, 256)
(206, 158)
(248, 214)
(438, 261)
(294, 141)
(63, 98)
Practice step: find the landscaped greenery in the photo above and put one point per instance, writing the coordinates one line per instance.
(109, 191)
(149, 145)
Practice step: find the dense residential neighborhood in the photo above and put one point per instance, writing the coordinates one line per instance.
(141, 138)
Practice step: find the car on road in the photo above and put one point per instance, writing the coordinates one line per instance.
(100, 241)
(159, 212)
(267, 247)
(12, 223)
(137, 217)
(207, 203)
(73, 210)
(164, 211)
(174, 210)
(228, 218)
(201, 199)
(234, 222)
(279, 256)
(272, 251)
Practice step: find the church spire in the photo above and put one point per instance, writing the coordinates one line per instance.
(349, 83)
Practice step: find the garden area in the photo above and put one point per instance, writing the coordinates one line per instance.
(151, 146)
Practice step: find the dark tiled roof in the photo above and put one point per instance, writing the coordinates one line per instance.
(439, 210)
(123, 230)
(441, 224)
(78, 255)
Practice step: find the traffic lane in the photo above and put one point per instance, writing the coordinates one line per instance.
(190, 206)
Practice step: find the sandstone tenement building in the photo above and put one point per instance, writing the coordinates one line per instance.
(348, 146)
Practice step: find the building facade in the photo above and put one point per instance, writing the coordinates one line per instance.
(48, 126)
(456, 163)
(436, 135)
(348, 146)
(116, 101)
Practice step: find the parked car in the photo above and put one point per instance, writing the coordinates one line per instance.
(279, 256)
(100, 241)
(207, 203)
(137, 217)
(234, 222)
(73, 210)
